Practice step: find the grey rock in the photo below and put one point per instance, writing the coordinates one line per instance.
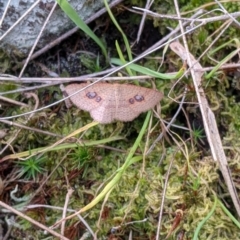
(22, 37)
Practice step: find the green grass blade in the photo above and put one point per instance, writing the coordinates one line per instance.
(200, 225)
(226, 59)
(61, 147)
(120, 30)
(120, 54)
(147, 71)
(237, 223)
(72, 14)
(120, 171)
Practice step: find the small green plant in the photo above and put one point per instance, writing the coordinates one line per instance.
(197, 134)
(92, 64)
(31, 167)
(81, 156)
(195, 183)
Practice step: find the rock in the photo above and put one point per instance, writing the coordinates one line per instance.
(22, 37)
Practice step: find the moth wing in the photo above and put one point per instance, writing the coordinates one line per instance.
(103, 115)
(106, 112)
(129, 108)
(80, 99)
(108, 102)
(103, 108)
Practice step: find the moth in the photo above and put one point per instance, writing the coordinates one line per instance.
(110, 102)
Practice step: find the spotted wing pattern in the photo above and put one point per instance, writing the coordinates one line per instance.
(108, 102)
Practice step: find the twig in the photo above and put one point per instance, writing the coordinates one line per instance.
(90, 77)
(147, 6)
(56, 81)
(163, 197)
(20, 214)
(4, 13)
(37, 39)
(9, 100)
(200, 20)
(68, 196)
(30, 128)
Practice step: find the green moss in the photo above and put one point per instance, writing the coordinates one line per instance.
(192, 182)
(6, 87)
